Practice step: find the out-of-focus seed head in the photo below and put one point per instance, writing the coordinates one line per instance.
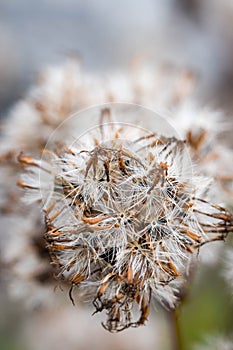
(125, 216)
(215, 342)
(227, 267)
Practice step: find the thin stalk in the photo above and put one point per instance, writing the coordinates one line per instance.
(174, 323)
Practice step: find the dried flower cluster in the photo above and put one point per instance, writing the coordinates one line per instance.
(124, 216)
(60, 91)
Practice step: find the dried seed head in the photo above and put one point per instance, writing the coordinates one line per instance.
(64, 89)
(125, 216)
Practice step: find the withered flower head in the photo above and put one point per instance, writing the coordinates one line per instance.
(125, 216)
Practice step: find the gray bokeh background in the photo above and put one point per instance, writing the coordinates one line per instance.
(107, 34)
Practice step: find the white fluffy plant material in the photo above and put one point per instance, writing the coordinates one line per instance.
(125, 215)
(204, 130)
(64, 89)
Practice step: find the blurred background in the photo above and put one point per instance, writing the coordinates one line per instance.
(106, 35)
(193, 33)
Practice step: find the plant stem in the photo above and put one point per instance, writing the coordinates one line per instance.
(173, 317)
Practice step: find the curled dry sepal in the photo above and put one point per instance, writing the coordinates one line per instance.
(124, 219)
